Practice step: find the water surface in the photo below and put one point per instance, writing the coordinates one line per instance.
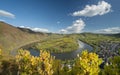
(67, 55)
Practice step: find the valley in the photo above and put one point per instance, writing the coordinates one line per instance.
(65, 50)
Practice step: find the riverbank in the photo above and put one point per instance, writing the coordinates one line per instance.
(67, 55)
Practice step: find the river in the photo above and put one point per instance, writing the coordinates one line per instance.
(67, 55)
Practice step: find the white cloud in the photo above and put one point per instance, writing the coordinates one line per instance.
(36, 29)
(6, 14)
(39, 29)
(25, 27)
(76, 27)
(112, 30)
(93, 10)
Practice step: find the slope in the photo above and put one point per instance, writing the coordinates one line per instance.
(12, 37)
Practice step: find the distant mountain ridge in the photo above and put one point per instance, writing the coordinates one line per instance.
(30, 31)
(12, 37)
(114, 35)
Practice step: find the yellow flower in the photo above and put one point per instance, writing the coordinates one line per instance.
(88, 63)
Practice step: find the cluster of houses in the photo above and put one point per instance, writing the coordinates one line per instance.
(108, 50)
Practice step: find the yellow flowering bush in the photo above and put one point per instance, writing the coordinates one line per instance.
(31, 65)
(87, 64)
(23, 60)
(0, 52)
(46, 61)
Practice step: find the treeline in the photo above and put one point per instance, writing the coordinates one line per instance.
(85, 64)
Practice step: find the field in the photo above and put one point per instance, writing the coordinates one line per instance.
(59, 45)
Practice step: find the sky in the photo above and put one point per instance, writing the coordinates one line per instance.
(63, 16)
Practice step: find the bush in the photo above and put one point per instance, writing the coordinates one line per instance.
(31, 65)
(87, 64)
(0, 52)
(113, 68)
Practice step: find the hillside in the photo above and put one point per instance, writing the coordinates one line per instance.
(12, 37)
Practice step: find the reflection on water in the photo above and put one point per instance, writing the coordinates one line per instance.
(67, 55)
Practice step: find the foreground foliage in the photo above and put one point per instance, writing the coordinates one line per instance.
(113, 68)
(45, 64)
(31, 65)
(0, 52)
(85, 64)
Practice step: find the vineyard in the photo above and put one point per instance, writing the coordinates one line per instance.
(59, 45)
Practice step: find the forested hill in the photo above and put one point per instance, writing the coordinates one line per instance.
(12, 37)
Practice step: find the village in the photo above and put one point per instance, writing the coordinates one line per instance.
(108, 50)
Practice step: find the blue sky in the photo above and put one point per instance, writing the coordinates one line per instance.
(63, 16)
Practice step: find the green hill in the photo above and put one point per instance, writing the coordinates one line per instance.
(12, 37)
